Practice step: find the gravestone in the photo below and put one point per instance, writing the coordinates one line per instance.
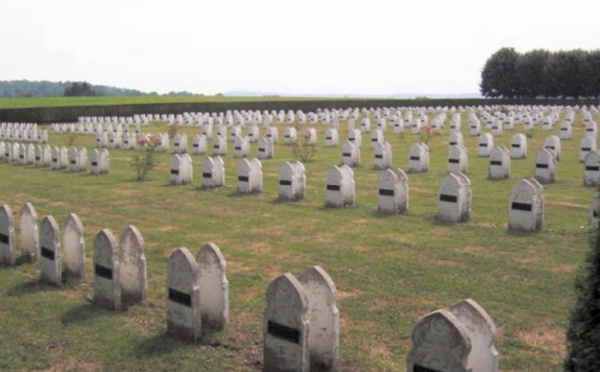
(266, 148)
(310, 136)
(213, 172)
(365, 125)
(591, 169)
(214, 287)
(382, 155)
(241, 147)
(350, 154)
(526, 209)
(496, 128)
(250, 176)
(207, 130)
(474, 126)
(107, 281)
(595, 211)
(418, 158)
(454, 198)
(183, 296)
(485, 144)
(50, 253)
(8, 152)
(253, 134)
(180, 143)
(132, 266)
(458, 160)
(29, 236)
(340, 187)
(331, 137)
(286, 326)
(355, 136)
(565, 131)
(545, 166)
(398, 125)
(22, 154)
(273, 134)
(82, 159)
(8, 255)
(586, 145)
(292, 181)
(181, 170)
(290, 135)
(499, 167)
(30, 154)
(55, 158)
(220, 146)
(518, 146)
(198, 144)
(74, 247)
(553, 143)
(456, 138)
(74, 160)
(323, 318)
(591, 128)
(376, 137)
(392, 191)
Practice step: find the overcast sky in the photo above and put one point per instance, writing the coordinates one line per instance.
(284, 46)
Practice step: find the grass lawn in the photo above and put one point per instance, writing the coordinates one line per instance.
(389, 270)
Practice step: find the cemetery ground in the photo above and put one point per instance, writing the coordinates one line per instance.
(389, 270)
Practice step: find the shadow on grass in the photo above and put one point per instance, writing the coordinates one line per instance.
(160, 344)
(521, 232)
(83, 313)
(30, 287)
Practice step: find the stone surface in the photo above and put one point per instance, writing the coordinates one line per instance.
(526, 208)
(340, 187)
(454, 198)
(50, 252)
(499, 165)
(132, 266)
(292, 181)
(74, 247)
(418, 161)
(29, 235)
(8, 255)
(214, 287)
(545, 166)
(392, 192)
(107, 280)
(183, 296)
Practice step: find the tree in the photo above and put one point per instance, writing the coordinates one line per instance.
(83, 89)
(499, 77)
(592, 74)
(565, 74)
(530, 70)
(583, 332)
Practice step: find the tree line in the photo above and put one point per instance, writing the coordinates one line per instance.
(541, 74)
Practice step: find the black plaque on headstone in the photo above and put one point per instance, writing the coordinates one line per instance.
(496, 162)
(180, 297)
(47, 253)
(4, 238)
(541, 166)
(103, 272)
(521, 206)
(418, 368)
(333, 187)
(243, 178)
(206, 175)
(283, 332)
(448, 198)
(386, 192)
(285, 183)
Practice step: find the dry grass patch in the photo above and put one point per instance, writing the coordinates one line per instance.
(549, 341)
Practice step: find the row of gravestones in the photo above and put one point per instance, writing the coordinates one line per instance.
(301, 319)
(23, 132)
(75, 160)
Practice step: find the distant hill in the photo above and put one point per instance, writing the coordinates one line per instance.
(26, 88)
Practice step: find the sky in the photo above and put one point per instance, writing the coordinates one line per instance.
(374, 47)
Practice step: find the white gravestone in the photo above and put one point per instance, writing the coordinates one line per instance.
(456, 138)
(458, 160)
(454, 198)
(290, 135)
(474, 126)
(499, 167)
(285, 345)
(586, 145)
(496, 128)
(253, 134)
(29, 235)
(181, 169)
(183, 296)
(340, 187)
(376, 137)
(220, 146)
(545, 166)
(591, 129)
(332, 137)
(591, 169)
(595, 211)
(266, 148)
(485, 144)
(323, 318)
(82, 158)
(273, 134)
(74, 247)
(382, 155)
(241, 147)
(398, 125)
(350, 154)
(355, 136)
(132, 266)
(50, 252)
(392, 192)
(250, 176)
(107, 282)
(198, 144)
(553, 143)
(310, 136)
(213, 172)
(214, 287)
(8, 255)
(526, 209)
(292, 181)
(566, 131)
(418, 158)
(518, 146)
(180, 143)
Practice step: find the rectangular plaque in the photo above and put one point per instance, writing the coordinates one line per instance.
(328, 138)
(47, 253)
(516, 145)
(94, 164)
(586, 149)
(386, 192)
(333, 187)
(346, 154)
(495, 162)
(175, 171)
(418, 368)
(283, 332)
(206, 175)
(415, 158)
(454, 161)
(285, 183)
(180, 297)
(378, 156)
(261, 149)
(541, 166)
(521, 206)
(483, 145)
(550, 147)
(593, 168)
(4, 239)
(448, 198)
(103, 272)
(452, 144)
(237, 148)
(243, 178)
(195, 145)
(73, 162)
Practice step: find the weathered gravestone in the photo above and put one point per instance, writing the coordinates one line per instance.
(286, 327)
(253, 134)
(355, 136)
(458, 159)
(595, 211)
(290, 135)
(377, 136)
(526, 209)
(50, 253)
(310, 136)
(456, 339)
(292, 181)
(55, 158)
(398, 125)
(266, 148)
(485, 144)
(474, 126)
(323, 318)
(518, 146)
(214, 287)
(393, 191)
(29, 236)
(350, 154)
(499, 167)
(198, 144)
(418, 158)
(183, 296)
(46, 155)
(82, 158)
(250, 176)
(220, 146)
(8, 255)
(591, 128)
(382, 155)
(273, 134)
(340, 187)
(591, 169)
(8, 152)
(241, 147)
(332, 137)
(456, 138)
(30, 154)
(181, 170)
(565, 131)
(180, 143)
(107, 279)
(545, 166)
(586, 145)
(454, 198)
(496, 128)
(132, 266)
(213, 172)
(74, 247)
(74, 160)
(553, 143)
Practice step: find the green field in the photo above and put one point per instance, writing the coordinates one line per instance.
(389, 270)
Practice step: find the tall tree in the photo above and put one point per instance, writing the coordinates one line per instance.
(565, 74)
(499, 77)
(592, 74)
(83, 89)
(530, 70)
